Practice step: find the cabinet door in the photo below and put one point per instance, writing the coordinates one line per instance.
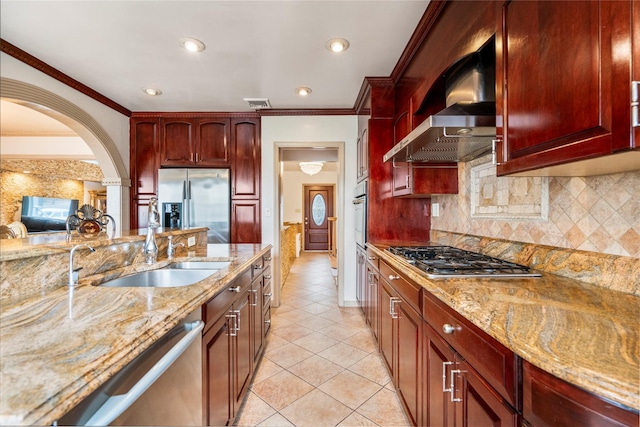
(371, 299)
(565, 83)
(477, 405)
(361, 276)
(407, 369)
(246, 158)
(438, 362)
(257, 318)
(212, 142)
(218, 402)
(243, 348)
(177, 145)
(245, 221)
(144, 167)
(362, 145)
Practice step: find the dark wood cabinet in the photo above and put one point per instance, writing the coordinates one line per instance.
(564, 94)
(245, 221)
(191, 141)
(400, 340)
(245, 158)
(233, 341)
(143, 167)
(371, 294)
(418, 180)
(362, 147)
(552, 402)
(361, 276)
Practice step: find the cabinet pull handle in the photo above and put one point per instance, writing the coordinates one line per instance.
(494, 153)
(392, 277)
(268, 259)
(268, 294)
(453, 385)
(267, 276)
(235, 289)
(392, 307)
(267, 321)
(255, 298)
(233, 329)
(407, 185)
(444, 377)
(448, 329)
(371, 258)
(635, 103)
(257, 267)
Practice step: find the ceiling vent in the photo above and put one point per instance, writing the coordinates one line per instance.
(258, 103)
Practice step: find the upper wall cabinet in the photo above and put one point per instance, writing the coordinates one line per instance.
(564, 87)
(195, 141)
(246, 158)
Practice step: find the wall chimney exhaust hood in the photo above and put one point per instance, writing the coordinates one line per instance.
(467, 127)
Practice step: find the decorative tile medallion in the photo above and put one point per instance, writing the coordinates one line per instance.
(508, 197)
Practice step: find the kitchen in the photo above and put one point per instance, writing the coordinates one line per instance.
(592, 233)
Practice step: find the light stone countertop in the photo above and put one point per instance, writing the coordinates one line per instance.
(586, 335)
(57, 346)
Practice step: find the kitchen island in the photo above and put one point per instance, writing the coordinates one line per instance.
(57, 345)
(583, 334)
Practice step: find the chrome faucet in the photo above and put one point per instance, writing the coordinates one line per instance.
(171, 248)
(150, 249)
(73, 274)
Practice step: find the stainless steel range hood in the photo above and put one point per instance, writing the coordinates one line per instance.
(466, 128)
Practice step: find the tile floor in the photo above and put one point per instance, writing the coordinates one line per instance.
(321, 366)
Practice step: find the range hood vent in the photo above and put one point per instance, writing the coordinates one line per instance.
(466, 128)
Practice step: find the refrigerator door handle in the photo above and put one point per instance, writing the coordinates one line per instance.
(184, 190)
(185, 206)
(189, 191)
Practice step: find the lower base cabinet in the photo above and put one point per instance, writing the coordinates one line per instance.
(233, 342)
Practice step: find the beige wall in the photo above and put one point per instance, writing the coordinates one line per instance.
(599, 213)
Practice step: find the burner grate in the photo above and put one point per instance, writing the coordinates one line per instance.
(447, 261)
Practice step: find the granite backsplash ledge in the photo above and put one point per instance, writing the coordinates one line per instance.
(613, 272)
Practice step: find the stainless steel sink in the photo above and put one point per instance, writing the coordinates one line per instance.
(199, 265)
(162, 278)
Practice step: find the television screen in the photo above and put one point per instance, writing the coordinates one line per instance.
(41, 214)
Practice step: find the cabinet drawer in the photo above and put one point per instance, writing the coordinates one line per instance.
(372, 259)
(219, 304)
(498, 365)
(409, 291)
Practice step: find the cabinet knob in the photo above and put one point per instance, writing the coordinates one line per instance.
(267, 276)
(392, 277)
(267, 321)
(235, 289)
(268, 294)
(448, 329)
(257, 267)
(371, 258)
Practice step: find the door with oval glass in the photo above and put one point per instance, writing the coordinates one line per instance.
(318, 206)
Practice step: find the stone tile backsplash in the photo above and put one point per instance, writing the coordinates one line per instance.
(598, 213)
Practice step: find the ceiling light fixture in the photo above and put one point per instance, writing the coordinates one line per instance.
(152, 91)
(311, 168)
(192, 45)
(337, 45)
(303, 90)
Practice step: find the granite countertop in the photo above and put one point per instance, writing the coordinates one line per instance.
(586, 335)
(58, 346)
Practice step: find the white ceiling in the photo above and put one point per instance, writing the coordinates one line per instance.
(255, 49)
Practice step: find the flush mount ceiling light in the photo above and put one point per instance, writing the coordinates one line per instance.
(152, 91)
(311, 168)
(303, 90)
(337, 45)
(192, 45)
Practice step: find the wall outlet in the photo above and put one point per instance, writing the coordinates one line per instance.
(435, 209)
(191, 241)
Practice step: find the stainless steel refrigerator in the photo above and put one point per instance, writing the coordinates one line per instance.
(190, 198)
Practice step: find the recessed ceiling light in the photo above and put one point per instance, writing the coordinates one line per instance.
(152, 91)
(337, 45)
(303, 90)
(192, 45)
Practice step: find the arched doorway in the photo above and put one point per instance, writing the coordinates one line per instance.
(115, 172)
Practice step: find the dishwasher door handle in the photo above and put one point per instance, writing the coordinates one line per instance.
(116, 405)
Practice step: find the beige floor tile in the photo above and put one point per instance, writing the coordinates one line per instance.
(266, 369)
(343, 354)
(339, 331)
(372, 368)
(350, 389)
(254, 411)
(287, 355)
(274, 341)
(316, 370)
(292, 332)
(315, 342)
(363, 341)
(281, 389)
(357, 420)
(316, 323)
(316, 409)
(384, 409)
(276, 420)
(315, 308)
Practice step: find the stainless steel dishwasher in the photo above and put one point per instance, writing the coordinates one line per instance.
(160, 387)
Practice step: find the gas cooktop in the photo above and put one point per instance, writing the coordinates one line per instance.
(447, 261)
